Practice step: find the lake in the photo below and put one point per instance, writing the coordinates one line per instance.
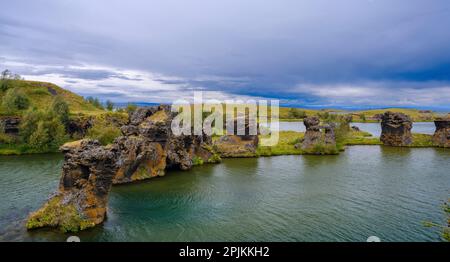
(373, 128)
(364, 191)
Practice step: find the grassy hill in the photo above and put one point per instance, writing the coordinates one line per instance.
(41, 94)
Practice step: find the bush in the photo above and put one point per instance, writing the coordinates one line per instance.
(109, 105)
(4, 84)
(38, 140)
(94, 101)
(104, 132)
(6, 139)
(15, 100)
(43, 131)
(61, 109)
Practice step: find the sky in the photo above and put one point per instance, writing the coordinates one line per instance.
(306, 53)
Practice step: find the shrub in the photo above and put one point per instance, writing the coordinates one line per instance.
(4, 84)
(94, 101)
(61, 109)
(197, 161)
(104, 132)
(42, 130)
(109, 105)
(15, 100)
(38, 140)
(6, 139)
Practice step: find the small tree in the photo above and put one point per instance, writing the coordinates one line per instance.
(94, 101)
(6, 74)
(61, 109)
(56, 130)
(109, 105)
(42, 130)
(39, 139)
(6, 77)
(15, 100)
(4, 80)
(17, 77)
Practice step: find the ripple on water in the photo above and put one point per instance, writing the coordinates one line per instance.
(387, 192)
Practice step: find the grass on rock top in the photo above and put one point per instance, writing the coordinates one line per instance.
(41, 94)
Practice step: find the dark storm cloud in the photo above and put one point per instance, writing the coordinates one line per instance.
(261, 48)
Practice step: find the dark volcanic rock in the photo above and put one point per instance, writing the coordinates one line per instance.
(396, 129)
(141, 113)
(78, 126)
(316, 141)
(138, 159)
(82, 198)
(147, 148)
(355, 128)
(441, 136)
(10, 125)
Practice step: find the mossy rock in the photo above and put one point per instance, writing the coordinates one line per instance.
(58, 215)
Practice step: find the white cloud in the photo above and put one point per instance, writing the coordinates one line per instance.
(379, 94)
(121, 85)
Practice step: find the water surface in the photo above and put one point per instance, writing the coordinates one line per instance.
(418, 127)
(367, 190)
(373, 128)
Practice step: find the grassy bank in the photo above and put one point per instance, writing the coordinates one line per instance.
(22, 149)
(285, 146)
(288, 140)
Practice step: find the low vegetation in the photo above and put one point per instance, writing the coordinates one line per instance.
(55, 214)
(104, 131)
(445, 227)
(45, 111)
(286, 145)
(422, 140)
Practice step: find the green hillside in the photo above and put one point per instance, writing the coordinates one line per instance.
(41, 94)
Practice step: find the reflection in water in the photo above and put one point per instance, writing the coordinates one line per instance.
(367, 190)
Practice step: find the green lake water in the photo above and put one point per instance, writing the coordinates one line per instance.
(365, 191)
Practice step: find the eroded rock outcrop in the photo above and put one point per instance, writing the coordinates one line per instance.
(10, 125)
(82, 197)
(396, 129)
(138, 159)
(79, 125)
(319, 139)
(241, 142)
(441, 136)
(147, 148)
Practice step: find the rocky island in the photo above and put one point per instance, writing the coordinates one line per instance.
(396, 129)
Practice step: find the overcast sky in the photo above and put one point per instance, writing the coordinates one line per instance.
(361, 53)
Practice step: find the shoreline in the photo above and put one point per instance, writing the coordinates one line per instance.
(362, 140)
